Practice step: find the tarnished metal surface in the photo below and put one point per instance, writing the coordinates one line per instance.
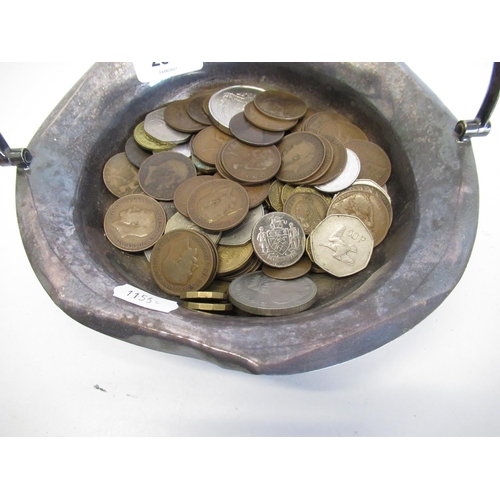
(62, 200)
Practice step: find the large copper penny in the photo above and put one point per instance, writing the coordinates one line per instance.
(250, 164)
(135, 154)
(184, 191)
(342, 130)
(302, 154)
(339, 160)
(243, 130)
(177, 117)
(207, 143)
(314, 122)
(134, 222)
(280, 104)
(120, 176)
(375, 163)
(264, 122)
(162, 173)
(182, 261)
(218, 205)
(195, 109)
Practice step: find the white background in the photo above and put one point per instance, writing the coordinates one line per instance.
(442, 378)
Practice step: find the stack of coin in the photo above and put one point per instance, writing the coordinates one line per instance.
(248, 178)
(206, 300)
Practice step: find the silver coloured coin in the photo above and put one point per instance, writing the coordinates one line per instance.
(230, 101)
(242, 233)
(259, 294)
(156, 127)
(341, 245)
(348, 175)
(178, 221)
(278, 239)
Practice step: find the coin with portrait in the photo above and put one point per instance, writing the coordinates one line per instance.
(134, 222)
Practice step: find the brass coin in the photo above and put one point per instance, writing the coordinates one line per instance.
(233, 257)
(280, 104)
(203, 295)
(147, 142)
(286, 192)
(274, 195)
(135, 154)
(120, 176)
(243, 130)
(207, 143)
(375, 163)
(218, 205)
(310, 189)
(309, 209)
(184, 190)
(182, 261)
(250, 164)
(260, 120)
(206, 306)
(302, 154)
(300, 268)
(176, 116)
(195, 108)
(134, 222)
(370, 204)
(162, 173)
(342, 130)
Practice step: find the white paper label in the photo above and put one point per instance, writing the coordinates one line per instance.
(155, 72)
(144, 299)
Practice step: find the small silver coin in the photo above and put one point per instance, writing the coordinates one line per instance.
(348, 175)
(259, 294)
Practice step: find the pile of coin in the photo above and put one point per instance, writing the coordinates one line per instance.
(249, 187)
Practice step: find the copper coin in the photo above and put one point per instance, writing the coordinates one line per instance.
(182, 261)
(302, 154)
(156, 128)
(338, 163)
(264, 122)
(195, 108)
(176, 116)
(120, 176)
(207, 143)
(250, 164)
(135, 154)
(342, 130)
(375, 163)
(162, 173)
(134, 222)
(315, 121)
(280, 104)
(184, 190)
(325, 166)
(218, 205)
(307, 208)
(257, 193)
(243, 130)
